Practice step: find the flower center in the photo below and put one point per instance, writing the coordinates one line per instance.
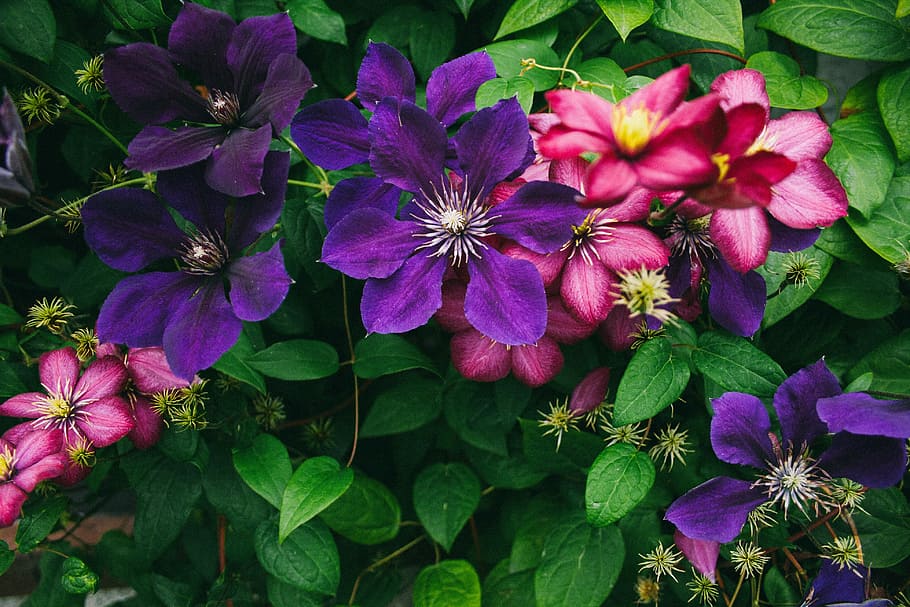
(203, 253)
(646, 292)
(722, 161)
(691, 237)
(763, 143)
(592, 231)
(7, 463)
(82, 453)
(795, 479)
(634, 129)
(57, 412)
(454, 223)
(224, 107)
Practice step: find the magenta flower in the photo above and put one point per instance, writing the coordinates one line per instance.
(590, 391)
(651, 138)
(252, 83)
(24, 463)
(808, 198)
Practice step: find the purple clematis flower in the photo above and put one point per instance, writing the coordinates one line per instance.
(16, 184)
(33, 458)
(839, 586)
(188, 312)
(740, 434)
(449, 223)
(335, 135)
(252, 83)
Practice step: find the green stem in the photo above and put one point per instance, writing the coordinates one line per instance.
(581, 37)
(319, 171)
(306, 184)
(101, 129)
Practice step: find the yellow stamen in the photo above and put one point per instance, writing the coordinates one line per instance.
(634, 129)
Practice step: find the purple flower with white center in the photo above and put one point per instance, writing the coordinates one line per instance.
(16, 184)
(189, 312)
(836, 586)
(24, 463)
(450, 222)
(740, 434)
(252, 81)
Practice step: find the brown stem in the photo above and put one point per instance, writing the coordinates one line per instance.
(222, 555)
(691, 51)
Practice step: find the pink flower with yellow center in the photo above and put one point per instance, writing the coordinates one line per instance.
(24, 463)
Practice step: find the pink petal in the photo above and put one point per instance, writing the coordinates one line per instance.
(810, 197)
(11, 500)
(742, 86)
(537, 364)
(636, 206)
(104, 377)
(663, 95)
(631, 247)
(105, 421)
(616, 331)
(107, 349)
(480, 358)
(676, 161)
(541, 122)
(23, 405)
(72, 473)
(703, 554)
(585, 289)
(36, 445)
(799, 136)
(549, 265)
(745, 124)
(563, 326)
(47, 468)
(742, 235)
(562, 142)
(590, 391)
(570, 172)
(610, 179)
(59, 371)
(148, 426)
(451, 315)
(150, 372)
(579, 110)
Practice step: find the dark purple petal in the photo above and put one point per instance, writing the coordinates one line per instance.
(157, 148)
(136, 311)
(493, 144)
(505, 299)
(795, 401)
(258, 213)
(406, 299)
(715, 510)
(383, 73)
(408, 146)
(255, 43)
(360, 192)
(369, 243)
(837, 584)
(859, 413)
(236, 165)
(259, 283)
(539, 216)
(158, 95)
(736, 300)
(590, 391)
(332, 134)
(198, 39)
(186, 191)
(287, 82)
(201, 329)
(453, 86)
(129, 228)
(739, 430)
(874, 461)
(785, 239)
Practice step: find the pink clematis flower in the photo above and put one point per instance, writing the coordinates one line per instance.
(33, 458)
(87, 409)
(651, 139)
(809, 197)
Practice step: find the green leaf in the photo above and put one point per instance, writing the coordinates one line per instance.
(10, 383)
(493, 90)
(28, 28)
(285, 595)
(464, 6)
(512, 472)
(861, 291)
(7, 556)
(786, 87)
(626, 15)
(605, 72)
(50, 591)
(884, 527)
(792, 296)
(308, 558)
(76, 577)
(233, 364)
(842, 242)
(894, 104)
(736, 365)
(445, 497)
(482, 415)
(37, 521)
(654, 379)
(889, 364)
(778, 589)
(447, 584)
(313, 487)
(304, 228)
(507, 56)
(60, 73)
(134, 14)
(525, 13)
(885, 232)
(296, 360)
(715, 20)
(579, 565)
(858, 29)
(9, 316)
(903, 9)
(367, 513)
(431, 40)
(576, 452)
(404, 407)
(506, 589)
(229, 495)
(619, 479)
(379, 355)
(265, 467)
(862, 160)
(316, 19)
